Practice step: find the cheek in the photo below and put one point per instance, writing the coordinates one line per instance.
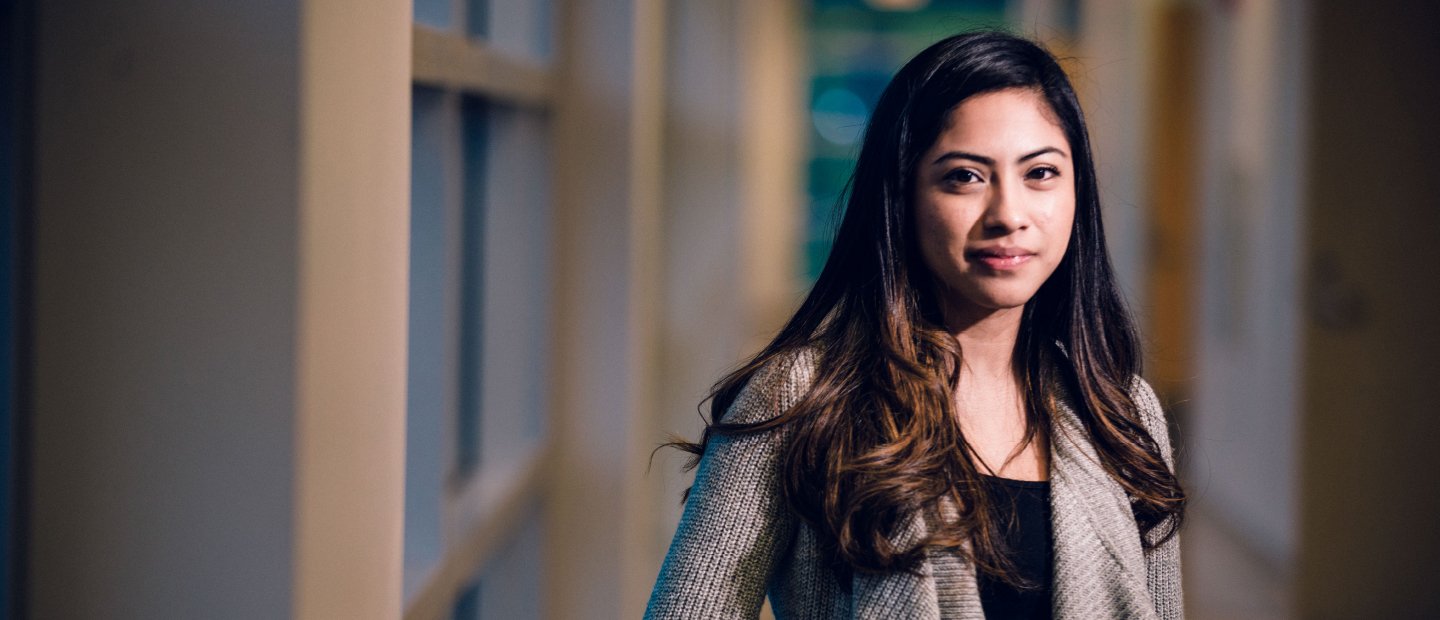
(1056, 209)
(1065, 215)
(1060, 225)
(940, 233)
(1053, 212)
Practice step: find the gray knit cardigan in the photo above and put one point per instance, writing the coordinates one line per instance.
(737, 539)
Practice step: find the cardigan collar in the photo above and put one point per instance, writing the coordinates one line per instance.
(1099, 566)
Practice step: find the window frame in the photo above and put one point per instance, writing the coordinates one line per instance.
(482, 510)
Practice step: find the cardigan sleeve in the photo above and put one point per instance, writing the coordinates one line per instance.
(735, 527)
(1162, 563)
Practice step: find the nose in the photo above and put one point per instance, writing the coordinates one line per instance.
(1005, 213)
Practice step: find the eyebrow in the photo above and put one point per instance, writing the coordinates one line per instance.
(990, 161)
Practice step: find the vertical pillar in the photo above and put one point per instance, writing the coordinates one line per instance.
(353, 232)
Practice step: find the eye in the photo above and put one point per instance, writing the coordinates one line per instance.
(962, 176)
(1042, 173)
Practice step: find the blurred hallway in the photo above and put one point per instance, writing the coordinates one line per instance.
(318, 309)
(1224, 579)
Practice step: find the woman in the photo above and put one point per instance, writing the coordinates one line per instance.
(952, 424)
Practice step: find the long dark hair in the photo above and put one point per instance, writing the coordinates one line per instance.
(875, 437)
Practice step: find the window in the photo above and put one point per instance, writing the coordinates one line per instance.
(479, 308)
(509, 584)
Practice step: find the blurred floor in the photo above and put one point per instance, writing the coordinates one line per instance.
(1224, 579)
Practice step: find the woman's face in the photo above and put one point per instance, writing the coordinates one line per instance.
(994, 201)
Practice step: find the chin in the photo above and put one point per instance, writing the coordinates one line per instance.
(1002, 299)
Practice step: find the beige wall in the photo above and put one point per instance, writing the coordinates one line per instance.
(607, 128)
(219, 317)
(351, 330)
(1306, 443)
(222, 243)
(1114, 47)
(733, 210)
(1241, 450)
(679, 201)
(1371, 494)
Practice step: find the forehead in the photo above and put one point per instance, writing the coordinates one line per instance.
(1002, 122)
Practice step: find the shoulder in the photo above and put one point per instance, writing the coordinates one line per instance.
(1146, 402)
(1152, 415)
(774, 387)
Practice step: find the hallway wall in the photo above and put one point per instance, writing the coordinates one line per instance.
(220, 253)
(224, 276)
(1370, 491)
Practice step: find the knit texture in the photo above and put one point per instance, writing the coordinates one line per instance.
(737, 541)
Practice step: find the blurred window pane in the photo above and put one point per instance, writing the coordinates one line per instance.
(521, 28)
(479, 299)
(427, 401)
(517, 246)
(477, 18)
(474, 120)
(508, 587)
(434, 13)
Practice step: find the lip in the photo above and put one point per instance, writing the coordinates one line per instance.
(1001, 258)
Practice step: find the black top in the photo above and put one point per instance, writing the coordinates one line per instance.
(1029, 545)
